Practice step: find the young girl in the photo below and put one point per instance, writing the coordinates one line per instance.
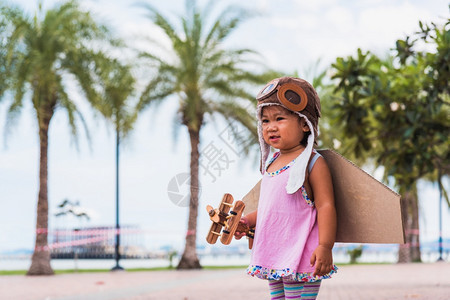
(296, 217)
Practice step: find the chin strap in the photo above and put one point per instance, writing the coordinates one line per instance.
(298, 168)
(265, 148)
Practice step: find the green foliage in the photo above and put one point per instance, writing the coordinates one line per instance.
(206, 78)
(3, 55)
(37, 55)
(357, 78)
(118, 85)
(40, 53)
(171, 254)
(208, 81)
(355, 253)
(396, 110)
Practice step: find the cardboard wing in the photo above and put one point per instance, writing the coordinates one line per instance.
(367, 210)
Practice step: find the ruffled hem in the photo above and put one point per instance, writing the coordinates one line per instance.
(277, 274)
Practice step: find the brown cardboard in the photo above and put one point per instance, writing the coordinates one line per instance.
(367, 210)
(251, 199)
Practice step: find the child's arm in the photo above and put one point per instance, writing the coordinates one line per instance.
(322, 186)
(249, 220)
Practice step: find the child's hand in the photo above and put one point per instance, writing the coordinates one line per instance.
(322, 259)
(243, 223)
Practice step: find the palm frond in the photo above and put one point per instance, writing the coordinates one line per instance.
(163, 23)
(71, 110)
(227, 21)
(205, 75)
(157, 90)
(241, 124)
(155, 61)
(12, 117)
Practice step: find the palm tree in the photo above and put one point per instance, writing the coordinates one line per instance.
(43, 52)
(118, 85)
(208, 80)
(3, 57)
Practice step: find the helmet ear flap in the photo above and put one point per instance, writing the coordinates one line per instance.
(292, 96)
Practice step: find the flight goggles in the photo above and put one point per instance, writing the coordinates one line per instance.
(289, 94)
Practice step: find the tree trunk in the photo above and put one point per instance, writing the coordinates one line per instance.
(189, 259)
(410, 252)
(415, 234)
(40, 261)
(404, 255)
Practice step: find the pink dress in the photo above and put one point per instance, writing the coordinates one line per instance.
(286, 232)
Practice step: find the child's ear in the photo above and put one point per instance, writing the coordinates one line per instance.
(305, 127)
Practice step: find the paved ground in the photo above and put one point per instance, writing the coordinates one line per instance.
(406, 281)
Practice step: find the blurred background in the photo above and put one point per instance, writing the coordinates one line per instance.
(80, 80)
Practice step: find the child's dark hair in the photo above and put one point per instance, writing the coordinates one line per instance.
(304, 141)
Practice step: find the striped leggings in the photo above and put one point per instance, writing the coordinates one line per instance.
(284, 289)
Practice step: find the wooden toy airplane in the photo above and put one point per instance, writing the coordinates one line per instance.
(223, 217)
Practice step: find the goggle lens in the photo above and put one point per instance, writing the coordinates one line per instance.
(267, 90)
(290, 95)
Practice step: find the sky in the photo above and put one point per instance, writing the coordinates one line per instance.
(290, 35)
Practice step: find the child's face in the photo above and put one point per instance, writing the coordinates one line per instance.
(281, 128)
